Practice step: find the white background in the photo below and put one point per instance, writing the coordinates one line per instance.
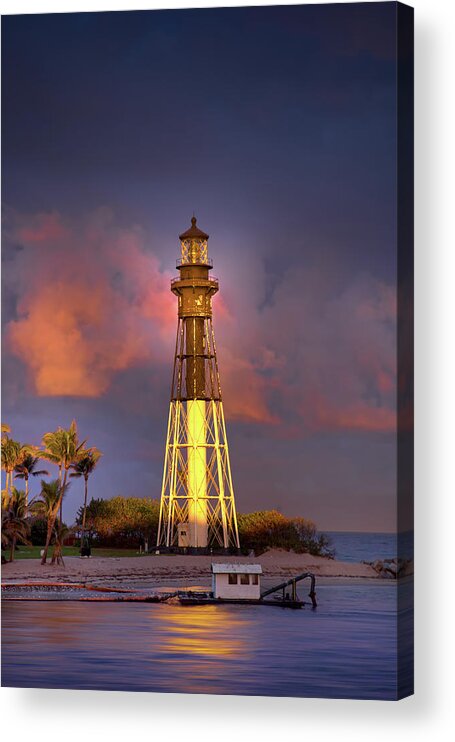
(76, 715)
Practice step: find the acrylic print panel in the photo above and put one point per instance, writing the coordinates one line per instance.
(207, 366)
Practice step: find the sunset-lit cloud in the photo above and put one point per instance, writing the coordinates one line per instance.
(351, 416)
(93, 301)
(41, 228)
(329, 355)
(245, 390)
(69, 337)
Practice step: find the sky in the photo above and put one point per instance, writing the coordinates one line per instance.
(276, 126)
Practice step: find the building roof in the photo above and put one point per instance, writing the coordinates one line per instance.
(194, 231)
(249, 569)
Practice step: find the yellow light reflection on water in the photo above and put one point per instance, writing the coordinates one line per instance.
(205, 630)
(201, 642)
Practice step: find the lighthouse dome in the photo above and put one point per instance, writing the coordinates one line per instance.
(194, 232)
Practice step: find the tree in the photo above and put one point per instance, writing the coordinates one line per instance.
(266, 529)
(83, 468)
(62, 447)
(122, 521)
(53, 444)
(13, 453)
(48, 504)
(61, 531)
(15, 526)
(38, 530)
(27, 467)
(5, 500)
(310, 541)
(10, 454)
(269, 529)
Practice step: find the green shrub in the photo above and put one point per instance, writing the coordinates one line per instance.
(129, 521)
(269, 529)
(122, 521)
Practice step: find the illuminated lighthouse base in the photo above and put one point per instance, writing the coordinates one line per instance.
(197, 508)
(197, 503)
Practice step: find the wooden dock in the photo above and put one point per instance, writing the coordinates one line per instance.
(185, 599)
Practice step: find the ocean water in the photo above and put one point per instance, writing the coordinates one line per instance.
(366, 547)
(347, 648)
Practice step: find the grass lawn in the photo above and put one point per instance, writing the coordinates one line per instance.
(33, 552)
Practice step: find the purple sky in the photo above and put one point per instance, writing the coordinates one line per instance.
(277, 127)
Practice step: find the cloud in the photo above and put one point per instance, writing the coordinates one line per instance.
(42, 228)
(353, 416)
(245, 390)
(70, 339)
(94, 302)
(339, 342)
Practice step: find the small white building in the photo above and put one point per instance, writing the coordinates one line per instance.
(183, 531)
(236, 581)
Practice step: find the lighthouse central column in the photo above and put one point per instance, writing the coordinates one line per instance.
(197, 473)
(196, 456)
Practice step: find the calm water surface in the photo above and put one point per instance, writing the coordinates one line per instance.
(344, 649)
(358, 547)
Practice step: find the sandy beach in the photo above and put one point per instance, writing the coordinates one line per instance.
(162, 569)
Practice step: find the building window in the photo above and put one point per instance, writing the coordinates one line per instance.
(255, 580)
(244, 579)
(232, 579)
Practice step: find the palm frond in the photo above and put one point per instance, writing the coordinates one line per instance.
(28, 466)
(14, 453)
(48, 500)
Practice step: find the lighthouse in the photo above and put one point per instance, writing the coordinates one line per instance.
(197, 509)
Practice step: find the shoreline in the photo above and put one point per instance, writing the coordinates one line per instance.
(183, 569)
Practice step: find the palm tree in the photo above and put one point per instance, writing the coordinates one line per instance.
(27, 467)
(13, 453)
(53, 443)
(15, 526)
(62, 447)
(5, 428)
(83, 468)
(10, 457)
(61, 531)
(48, 503)
(5, 500)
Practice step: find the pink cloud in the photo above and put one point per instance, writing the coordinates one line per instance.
(42, 228)
(94, 302)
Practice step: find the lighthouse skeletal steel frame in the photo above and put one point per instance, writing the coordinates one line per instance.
(197, 497)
